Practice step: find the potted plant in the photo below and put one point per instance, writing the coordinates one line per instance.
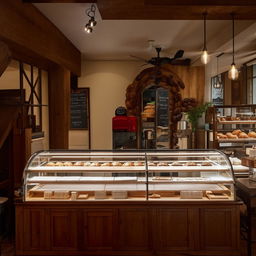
(193, 116)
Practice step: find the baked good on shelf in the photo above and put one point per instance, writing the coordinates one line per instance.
(117, 163)
(191, 164)
(242, 135)
(222, 136)
(228, 118)
(206, 164)
(138, 163)
(67, 164)
(252, 134)
(95, 164)
(236, 132)
(229, 134)
(222, 118)
(162, 164)
(151, 164)
(176, 164)
(87, 163)
(154, 196)
(237, 118)
(128, 164)
(59, 164)
(79, 163)
(82, 196)
(50, 164)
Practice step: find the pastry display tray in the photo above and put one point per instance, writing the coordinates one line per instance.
(126, 187)
(97, 180)
(170, 168)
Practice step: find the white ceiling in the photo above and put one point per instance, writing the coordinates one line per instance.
(118, 39)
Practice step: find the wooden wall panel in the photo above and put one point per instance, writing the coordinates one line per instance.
(194, 80)
(59, 107)
(30, 35)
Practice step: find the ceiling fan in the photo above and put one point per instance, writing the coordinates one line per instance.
(159, 61)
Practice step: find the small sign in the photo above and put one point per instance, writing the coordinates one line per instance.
(79, 109)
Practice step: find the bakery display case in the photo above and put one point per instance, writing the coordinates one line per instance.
(128, 176)
(234, 126)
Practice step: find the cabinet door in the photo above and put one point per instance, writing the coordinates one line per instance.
(63, 229)
(174, 229)
(35, 233)
(99, 229)
(219, 228)
(133, 229)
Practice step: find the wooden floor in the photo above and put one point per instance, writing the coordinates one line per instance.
(7, 249)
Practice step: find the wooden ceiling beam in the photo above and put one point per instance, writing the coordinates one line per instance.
(202, 2)
(31, 36)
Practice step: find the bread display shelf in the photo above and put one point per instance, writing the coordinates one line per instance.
(238, 122)
(239, 140)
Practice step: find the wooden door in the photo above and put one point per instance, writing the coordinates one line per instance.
(99, 228)
(133, 229)
(34, 230)
(63, 229)
(219, 229)
(175, 229)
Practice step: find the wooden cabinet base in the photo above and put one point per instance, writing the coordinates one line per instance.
(128, 228)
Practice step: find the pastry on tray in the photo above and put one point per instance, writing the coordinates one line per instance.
(236, 132)
(79, 163)
(154, 196)
(191, 164)
(243, 135)
(206, 164)
(176, 164)
(252, 134)
(162, 164)
(67, 164)
(50, 164)
(117, 163)
(107, 164)
(223, 136)
(151, 164)
(138, 163)
(59, 164)
(87, 163)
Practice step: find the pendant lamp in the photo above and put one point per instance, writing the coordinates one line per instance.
(233, 72)
(205, 56)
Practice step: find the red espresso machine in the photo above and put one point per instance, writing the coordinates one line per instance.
(124, 130)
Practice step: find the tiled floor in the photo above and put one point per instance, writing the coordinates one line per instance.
(7, 249)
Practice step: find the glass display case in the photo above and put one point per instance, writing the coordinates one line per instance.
(128, 175)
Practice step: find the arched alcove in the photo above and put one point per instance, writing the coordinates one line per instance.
(162, 77)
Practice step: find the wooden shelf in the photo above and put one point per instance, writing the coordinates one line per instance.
(238, 122)
(242, 140)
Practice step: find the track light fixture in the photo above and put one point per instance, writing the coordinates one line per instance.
(205, 56)
(233, 72)
(92, 22)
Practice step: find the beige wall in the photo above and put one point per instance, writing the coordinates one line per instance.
(107, 81)
(11, 80)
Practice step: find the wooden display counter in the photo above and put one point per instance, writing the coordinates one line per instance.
(128, 228)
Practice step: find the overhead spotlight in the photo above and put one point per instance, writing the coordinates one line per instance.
(88, 28)
(92, 22)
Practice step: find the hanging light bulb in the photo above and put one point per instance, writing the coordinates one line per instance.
(92, 22)
(205, 56)
(218, 83)
(233, 73)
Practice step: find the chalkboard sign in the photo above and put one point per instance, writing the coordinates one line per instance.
(162, 107)
(79, 109)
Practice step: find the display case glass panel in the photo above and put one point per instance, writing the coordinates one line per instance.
(128, 175)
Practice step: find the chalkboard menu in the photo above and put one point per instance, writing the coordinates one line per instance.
(79, 109)
(162, 107)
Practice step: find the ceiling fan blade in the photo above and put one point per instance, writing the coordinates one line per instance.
(178, 54)
(138, 58)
